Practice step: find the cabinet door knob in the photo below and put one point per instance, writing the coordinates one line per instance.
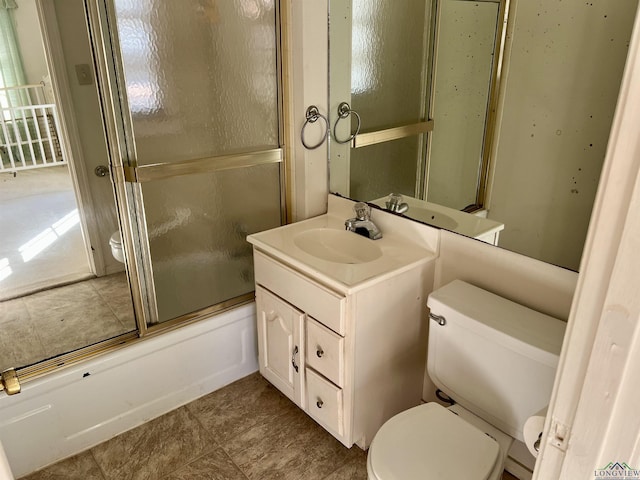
(319, 403)
(319, 352)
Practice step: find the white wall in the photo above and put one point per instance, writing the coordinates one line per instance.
(527, 281)
(563, 77)
(307, 78)
(30, 41)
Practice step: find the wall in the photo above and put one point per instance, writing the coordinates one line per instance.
(595, 398)
(30, 41)
(530, 282)
(306, 80)
(563, 76)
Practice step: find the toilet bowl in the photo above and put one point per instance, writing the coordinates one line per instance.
(431, 441)
(115, 242)
(497, 359)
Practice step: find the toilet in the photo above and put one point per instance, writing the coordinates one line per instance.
(497, 360)
(115, 242)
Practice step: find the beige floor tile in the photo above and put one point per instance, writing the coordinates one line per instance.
(59, 320)
(114, 290)
(356, 469)
(240, 406)
(213, 466)
(81, 467)
(19, 344)
(12, 310)
(68, 296)
(71, 317)
(288, 447)
(154, 449)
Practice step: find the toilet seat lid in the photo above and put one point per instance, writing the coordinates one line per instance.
(430, 441)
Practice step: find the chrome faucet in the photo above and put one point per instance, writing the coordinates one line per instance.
(362, 224)
(395, 204)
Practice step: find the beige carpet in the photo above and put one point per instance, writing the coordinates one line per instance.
(40, 237)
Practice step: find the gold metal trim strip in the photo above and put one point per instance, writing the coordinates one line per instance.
(45, 367)
(380, 136)
(159, 171)
(490, 135)
(87, 353)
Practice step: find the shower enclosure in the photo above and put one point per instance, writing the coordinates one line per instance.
(193, 120)
(191, 99)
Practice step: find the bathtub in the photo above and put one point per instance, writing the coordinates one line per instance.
(62, 414)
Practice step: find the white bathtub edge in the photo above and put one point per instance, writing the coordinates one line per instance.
(62, 414)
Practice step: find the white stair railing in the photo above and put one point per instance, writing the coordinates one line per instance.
(29, 129)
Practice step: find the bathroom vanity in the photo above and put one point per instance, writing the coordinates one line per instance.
(341, 322)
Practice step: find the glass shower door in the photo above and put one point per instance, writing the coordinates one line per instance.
(199, 145)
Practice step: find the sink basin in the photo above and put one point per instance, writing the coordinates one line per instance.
(432, 218)
(338, 246)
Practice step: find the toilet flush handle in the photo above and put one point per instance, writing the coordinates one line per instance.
(438, 318)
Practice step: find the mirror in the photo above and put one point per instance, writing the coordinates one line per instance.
(61, 288)
(520, 142)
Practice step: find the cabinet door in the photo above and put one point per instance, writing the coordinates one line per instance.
(280, 344)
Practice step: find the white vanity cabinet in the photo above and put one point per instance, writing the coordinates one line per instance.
(350, 356)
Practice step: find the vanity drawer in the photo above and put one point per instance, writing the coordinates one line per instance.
(326, 306)
(324, 402)
(325, 351)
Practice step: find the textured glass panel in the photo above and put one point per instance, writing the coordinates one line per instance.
(466, 41)
(197, 233)
(200, 76)
(388, 61)
(378, 170)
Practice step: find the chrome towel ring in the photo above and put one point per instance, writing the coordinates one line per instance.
(344, 110)
(312, 115)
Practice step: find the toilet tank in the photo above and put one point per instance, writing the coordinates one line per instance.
(496, 358)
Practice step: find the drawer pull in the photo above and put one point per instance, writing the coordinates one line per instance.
(319, 403)
(319, 352)
(293, 358)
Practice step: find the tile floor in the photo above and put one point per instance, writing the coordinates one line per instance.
(48, 323)
(247, 430)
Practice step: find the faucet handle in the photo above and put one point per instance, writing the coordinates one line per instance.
(363, 211)
(393, 200)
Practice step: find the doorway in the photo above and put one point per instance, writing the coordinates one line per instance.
(60, 287)
(42, 239)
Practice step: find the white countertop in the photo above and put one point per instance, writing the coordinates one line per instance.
(398, 254)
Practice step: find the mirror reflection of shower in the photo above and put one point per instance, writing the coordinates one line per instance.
(60, 287)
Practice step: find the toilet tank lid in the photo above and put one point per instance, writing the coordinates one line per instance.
(515, 320)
